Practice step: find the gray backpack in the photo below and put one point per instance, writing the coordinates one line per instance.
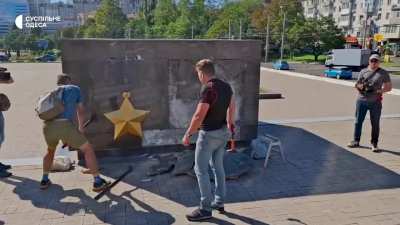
(50, 105)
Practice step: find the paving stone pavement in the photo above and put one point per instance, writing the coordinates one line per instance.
(322, 184)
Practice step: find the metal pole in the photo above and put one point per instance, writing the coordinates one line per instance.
(240, 32)
(192, 31)
(229, 32)
(283, 33)
(267, 42)
(365, 27)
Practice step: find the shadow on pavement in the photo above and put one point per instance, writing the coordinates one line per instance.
(317, 166)
(296, 220)
(112, 211)
(244, 219)
(389, 151)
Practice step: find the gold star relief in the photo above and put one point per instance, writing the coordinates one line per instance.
(127, 120)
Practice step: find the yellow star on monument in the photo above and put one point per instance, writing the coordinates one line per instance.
(127, 120)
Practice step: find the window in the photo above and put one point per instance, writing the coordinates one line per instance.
(389, 2)
(398, 14)
(378, 17)
(387, 15)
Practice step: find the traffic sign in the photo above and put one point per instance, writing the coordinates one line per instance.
(378, 37)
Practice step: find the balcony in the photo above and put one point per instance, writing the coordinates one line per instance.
(394, 20)
(395, 7)
(343, 23)
(392, 32)
(345, 11)
(391, 35)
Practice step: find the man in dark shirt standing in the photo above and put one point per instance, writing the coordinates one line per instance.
(371, 84)
(214, 116)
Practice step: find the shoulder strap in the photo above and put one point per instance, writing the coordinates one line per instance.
(372, 74)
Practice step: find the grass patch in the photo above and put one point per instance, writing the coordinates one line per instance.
(390, 64)
(395, 73)
(308, 58)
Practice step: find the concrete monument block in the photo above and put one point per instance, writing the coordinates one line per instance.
(160, 77)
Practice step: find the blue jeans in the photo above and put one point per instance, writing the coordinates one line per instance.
(210, 149)
(375, 109)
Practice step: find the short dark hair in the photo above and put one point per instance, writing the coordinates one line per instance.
(63, 79)
(206, 66)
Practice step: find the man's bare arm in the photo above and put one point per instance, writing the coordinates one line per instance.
(80, 112)
(230, 114)
(386, 87)
(198, 117)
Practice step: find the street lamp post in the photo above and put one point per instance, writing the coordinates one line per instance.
(283, 31)
(267, 42)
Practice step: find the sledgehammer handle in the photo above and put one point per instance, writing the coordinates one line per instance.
(232, 141)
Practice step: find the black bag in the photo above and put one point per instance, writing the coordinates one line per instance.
(4, 102)
(365, 81)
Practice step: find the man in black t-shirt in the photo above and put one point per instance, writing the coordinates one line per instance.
(214, 116)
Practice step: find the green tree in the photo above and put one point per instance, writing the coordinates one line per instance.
(89, 30)
(233, 13)
(138, 26)
(109, 21)
(2, 43)
(319, 35)
(181, 28)
(164, 14)
(68, 32)
(15, 40)
(275, 11)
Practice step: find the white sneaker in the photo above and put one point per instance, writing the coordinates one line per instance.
(375, 148)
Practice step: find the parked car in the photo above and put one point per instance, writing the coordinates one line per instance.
(3, 58)
(47, 58)
(280, 65)
(339, 73)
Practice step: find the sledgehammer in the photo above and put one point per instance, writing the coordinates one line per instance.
(232, 140)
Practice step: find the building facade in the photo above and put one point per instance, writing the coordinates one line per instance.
(359, 18)
(72, 12)
(9, 10)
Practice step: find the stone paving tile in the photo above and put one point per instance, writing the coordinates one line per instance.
(321, 188)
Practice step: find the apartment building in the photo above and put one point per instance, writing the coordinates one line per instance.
(9, 10)
(359, 18)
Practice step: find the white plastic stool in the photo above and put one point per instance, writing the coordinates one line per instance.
(273, 141)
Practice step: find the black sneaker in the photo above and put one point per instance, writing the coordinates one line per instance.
(354, 144)
(100, 186)
(4, 174)
(219, 208)
(199, 215)
(4, 166)
(44, 184)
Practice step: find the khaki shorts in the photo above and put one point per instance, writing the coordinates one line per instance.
(64, 130)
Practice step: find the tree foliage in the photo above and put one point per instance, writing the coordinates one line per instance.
(109, 21)
(319, 36)
(231, 16)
